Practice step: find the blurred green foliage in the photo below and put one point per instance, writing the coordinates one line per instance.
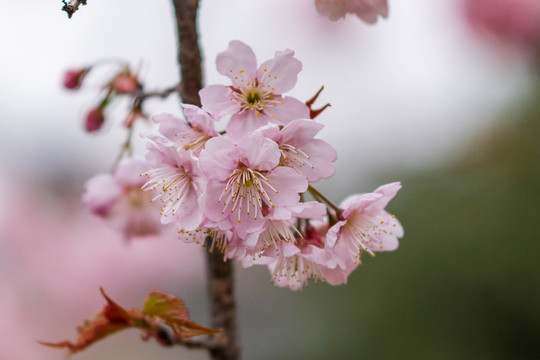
(465, 283)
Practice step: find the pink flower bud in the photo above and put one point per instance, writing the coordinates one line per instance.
(73, 78)
(125, 83)
(94, 120)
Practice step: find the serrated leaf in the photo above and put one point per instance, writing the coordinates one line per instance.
(166, 307)
(169, 309)
(91, 331)
(114, 312)
(158, 307)
(111, 319)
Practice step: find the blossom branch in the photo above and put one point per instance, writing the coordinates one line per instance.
(219, 272)
(71, 7)
(189, 54)
(125, 149)
(141, 96)
(320, 196)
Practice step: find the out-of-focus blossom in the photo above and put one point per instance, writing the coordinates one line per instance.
(73, 78)
(52, 270)
(367, 10)
(118, 198)
(516, 21)
(94, 120)
(364, 224)
(255, 96)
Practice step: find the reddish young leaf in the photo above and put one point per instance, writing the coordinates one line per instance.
(114, 312)
(111, 319)
(164, 306)
(169, 309)
(91, 331)
(158, 307)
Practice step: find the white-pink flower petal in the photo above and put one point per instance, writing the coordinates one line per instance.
(238, 62)
(280, 73)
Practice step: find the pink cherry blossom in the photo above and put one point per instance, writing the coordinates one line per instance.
(175, 181)
(119, 199)
(181, 134)
(364, 224)
(313, 158)
(279, 226)
(255, 96)
(217, 234)
(308, 258)
(367, 10)
(244, 179)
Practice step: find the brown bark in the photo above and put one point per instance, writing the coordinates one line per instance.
(189, 54)
(222, 300)
(219, 273)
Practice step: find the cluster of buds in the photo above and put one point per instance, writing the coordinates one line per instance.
(243, 191)
(124, 83)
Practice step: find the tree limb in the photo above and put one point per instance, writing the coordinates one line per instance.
(72, 6)
(219, 273)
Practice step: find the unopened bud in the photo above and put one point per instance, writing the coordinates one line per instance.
(94, 120)
(125, 84)
(73, 78)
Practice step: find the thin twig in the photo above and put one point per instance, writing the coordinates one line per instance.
(320, 196)
(161, 94)
(126, 148)
(72, 6)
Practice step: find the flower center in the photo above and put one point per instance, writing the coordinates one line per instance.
(246, 191)
(172, 185)
(253, 97)
(367, 233)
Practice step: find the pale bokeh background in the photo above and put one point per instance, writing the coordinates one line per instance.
(409, 95)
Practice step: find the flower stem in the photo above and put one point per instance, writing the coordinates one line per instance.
(321, 197)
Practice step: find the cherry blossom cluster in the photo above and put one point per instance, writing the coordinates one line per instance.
(244, 191)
